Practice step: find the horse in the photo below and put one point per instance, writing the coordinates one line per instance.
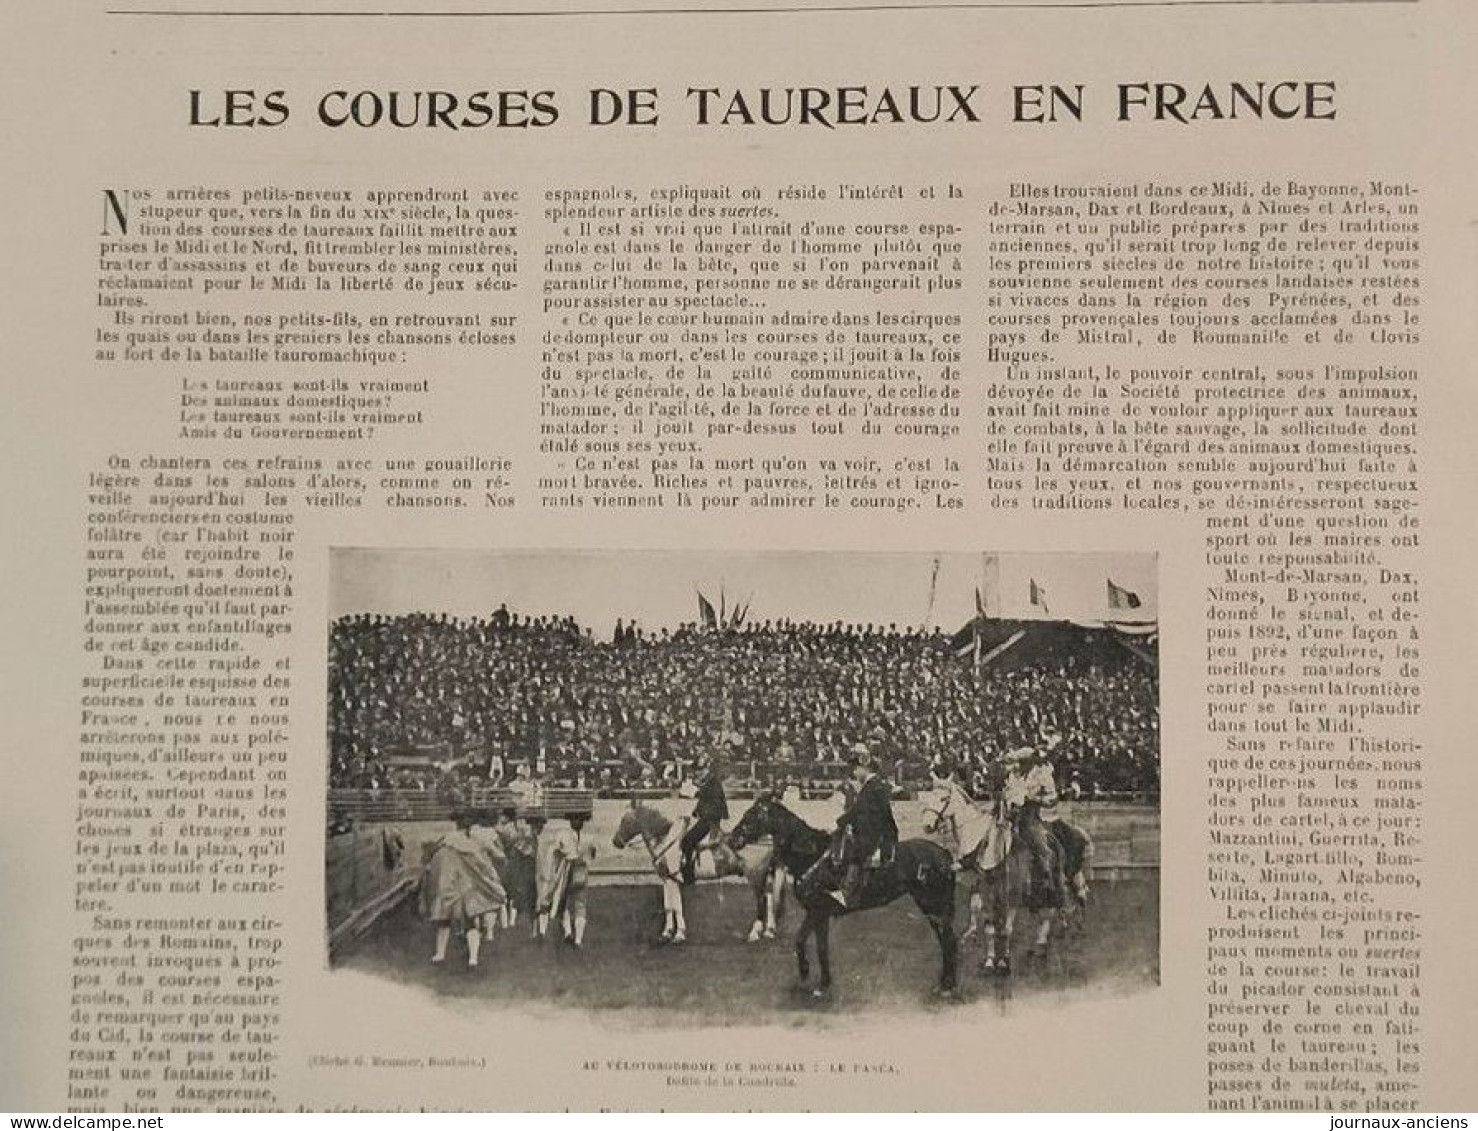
(662, 838)
(919, 868)
(985, 847)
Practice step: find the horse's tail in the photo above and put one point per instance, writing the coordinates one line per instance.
(1077, 856)
(728, 861)
(1077, 846)
(1082, 875)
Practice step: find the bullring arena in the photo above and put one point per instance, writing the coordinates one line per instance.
(885, 959)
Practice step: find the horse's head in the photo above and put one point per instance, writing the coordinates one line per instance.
(629, 827)
(755, 824)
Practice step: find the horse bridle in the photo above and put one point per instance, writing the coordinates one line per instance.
(657, 853)
(943, 811)
(755, 841)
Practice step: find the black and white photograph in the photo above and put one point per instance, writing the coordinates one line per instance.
(721, 789)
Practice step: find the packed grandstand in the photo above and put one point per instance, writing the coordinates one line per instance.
(435, 702)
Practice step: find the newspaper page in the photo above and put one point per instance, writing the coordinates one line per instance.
(819, 556)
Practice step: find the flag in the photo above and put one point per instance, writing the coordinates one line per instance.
(740, 612)
(1038, 595)
(979, 603)
(1121, 598)
(706, 613)
(966, 641)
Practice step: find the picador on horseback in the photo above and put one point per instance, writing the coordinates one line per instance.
(710, 810)
(867, 834)
(1029, 800)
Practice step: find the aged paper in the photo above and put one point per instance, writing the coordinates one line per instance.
(839, 557)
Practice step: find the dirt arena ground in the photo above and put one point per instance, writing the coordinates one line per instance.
(882, 960)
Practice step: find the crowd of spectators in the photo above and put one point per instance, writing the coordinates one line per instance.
(418, 701)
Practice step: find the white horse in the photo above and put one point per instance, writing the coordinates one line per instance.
(662, 838)
(976, 841)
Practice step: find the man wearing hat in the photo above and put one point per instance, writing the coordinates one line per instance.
(523, 786)
(519, 849)
(1031, 789)
(573, 854)
(868, 820)
(710, 808)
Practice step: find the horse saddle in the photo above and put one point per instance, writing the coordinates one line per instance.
(711, 857)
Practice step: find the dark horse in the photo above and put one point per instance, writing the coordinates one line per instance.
(919, 868)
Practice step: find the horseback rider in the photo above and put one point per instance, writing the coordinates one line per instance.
(867, 827)
(710, 808)
(1029, 797)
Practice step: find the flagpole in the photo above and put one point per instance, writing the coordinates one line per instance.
(933, 590)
